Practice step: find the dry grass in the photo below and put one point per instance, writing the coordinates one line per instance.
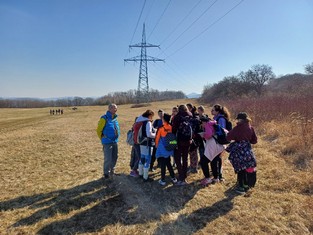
(50, 183)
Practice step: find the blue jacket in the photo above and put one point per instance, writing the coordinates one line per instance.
(111, 130)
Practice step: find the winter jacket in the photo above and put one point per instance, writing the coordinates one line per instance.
(242, 131)
(159, 141)
(108, 128)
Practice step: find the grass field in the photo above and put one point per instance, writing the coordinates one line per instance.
(50, 184)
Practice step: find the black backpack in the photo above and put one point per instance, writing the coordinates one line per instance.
(170, 141)
(220, 135)
(184, 131)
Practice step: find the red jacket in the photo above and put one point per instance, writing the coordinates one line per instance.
(242, 131)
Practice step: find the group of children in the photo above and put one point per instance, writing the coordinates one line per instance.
(150, 143)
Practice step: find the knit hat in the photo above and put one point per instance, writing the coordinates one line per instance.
(242, 115)
(167, 117)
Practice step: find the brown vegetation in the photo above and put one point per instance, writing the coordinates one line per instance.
(51, 168)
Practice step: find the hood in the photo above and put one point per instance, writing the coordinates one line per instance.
(141, 119)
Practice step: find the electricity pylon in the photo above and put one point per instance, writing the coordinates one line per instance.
(143, 83)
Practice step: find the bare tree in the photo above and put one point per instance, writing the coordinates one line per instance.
(258, 76)
(308, 68)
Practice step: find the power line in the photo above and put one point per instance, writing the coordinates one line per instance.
(207, 28)
(206, 10)
(148, 13)
(179, 24)
(137, 23)
(160, 18)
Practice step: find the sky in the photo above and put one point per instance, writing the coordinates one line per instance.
(66, 48)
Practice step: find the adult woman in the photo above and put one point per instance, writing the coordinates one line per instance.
(221, 115)
(146, 141)
(183, 143)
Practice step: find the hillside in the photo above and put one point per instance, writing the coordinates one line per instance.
(292, 84)
(50, 183)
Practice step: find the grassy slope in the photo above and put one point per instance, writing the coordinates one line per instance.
(50, 170)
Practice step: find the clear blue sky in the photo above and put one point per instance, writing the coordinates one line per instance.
(58, 48)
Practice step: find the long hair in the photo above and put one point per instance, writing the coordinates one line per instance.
(182, 108)
(148, 113)
(222, 110)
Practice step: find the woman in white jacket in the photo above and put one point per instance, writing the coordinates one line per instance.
(146, 138)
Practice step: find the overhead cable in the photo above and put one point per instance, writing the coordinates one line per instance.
(207, 28)
(179, 24)
(191, 25)
(160, 18)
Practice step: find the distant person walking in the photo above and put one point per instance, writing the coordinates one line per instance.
(108, 132)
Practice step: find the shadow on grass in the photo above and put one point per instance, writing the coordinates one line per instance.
(135, 203)
(123, 200)
(200, 218)
(58, 202)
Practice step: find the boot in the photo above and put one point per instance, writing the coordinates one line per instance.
(140, 170)
(146, 176)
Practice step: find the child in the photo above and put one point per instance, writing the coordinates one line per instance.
(240, 152)
(162, 154)
(208, 126)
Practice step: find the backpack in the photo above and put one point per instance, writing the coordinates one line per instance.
(136, 128)
(130, 138)
(184, 131)
(142, 138)
(170, 141)
(220, 134)
(229, 125)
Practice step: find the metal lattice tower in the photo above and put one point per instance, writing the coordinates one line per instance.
(143, 83)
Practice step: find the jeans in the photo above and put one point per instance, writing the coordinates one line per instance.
(110, 157)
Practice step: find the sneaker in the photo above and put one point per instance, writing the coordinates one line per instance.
(193, 170)
(162, 182)
(206, 181)
(215, 181)
(133, 173)
(174, 180)
(240, 190)
(147, 180)
(181, 183)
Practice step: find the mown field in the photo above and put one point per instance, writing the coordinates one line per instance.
(50, 183)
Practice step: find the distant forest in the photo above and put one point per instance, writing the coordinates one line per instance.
(259, 81)
(128, 97)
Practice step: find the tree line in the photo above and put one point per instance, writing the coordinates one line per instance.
(258, 81)
(127, 97)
